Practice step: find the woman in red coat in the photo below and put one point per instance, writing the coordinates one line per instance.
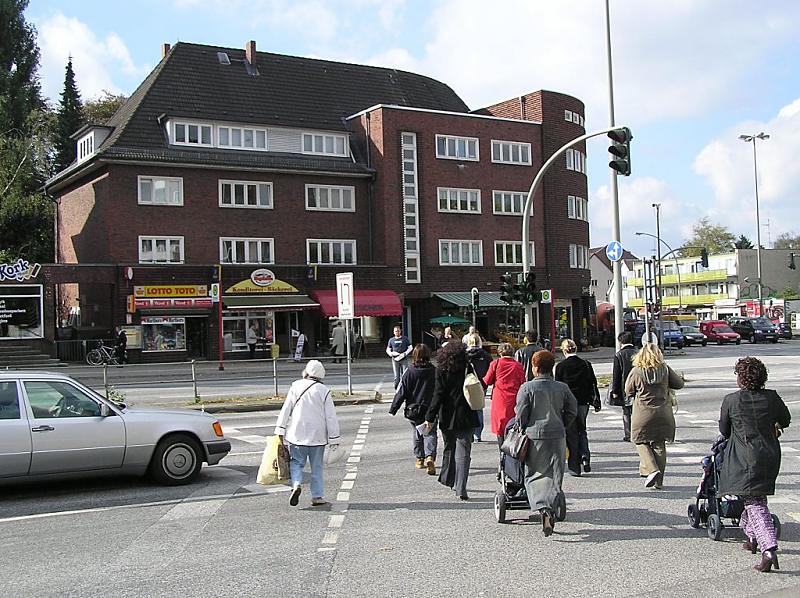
(507, 375)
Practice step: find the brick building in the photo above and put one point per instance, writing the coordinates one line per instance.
(287, 170)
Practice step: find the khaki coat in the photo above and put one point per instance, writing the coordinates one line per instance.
(652, 419)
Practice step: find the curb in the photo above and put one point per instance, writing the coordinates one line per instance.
(252, 407)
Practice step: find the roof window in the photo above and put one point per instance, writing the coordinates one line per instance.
(223, 58)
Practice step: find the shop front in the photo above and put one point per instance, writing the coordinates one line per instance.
(173, 323)
(274, 307)
(21, 312)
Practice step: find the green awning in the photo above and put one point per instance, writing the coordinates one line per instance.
(464, 299)
(270, 302)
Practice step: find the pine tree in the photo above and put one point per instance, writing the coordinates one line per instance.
(70, 119)
(19, 60)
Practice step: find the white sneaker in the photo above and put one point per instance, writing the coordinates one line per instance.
(653, 479)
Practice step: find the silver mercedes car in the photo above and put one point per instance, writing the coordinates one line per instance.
(53, 426)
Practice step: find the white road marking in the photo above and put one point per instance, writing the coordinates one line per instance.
(330, 538)
(351, 475)
(343, 497)
(353, 459)
(336, 521)
(795, 516)
(789, 449)
(348, 484)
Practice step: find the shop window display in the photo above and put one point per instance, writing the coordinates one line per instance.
(164, 334)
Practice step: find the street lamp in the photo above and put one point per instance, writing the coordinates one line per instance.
(675, 257)
(752, 139)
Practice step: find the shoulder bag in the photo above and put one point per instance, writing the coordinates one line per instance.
(473, 390)
(515, 443)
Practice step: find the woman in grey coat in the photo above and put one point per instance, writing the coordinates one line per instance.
(545, 408)
(751, 420)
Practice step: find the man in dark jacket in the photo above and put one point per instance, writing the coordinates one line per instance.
(623, 364)
(525, 354)
(578, 374)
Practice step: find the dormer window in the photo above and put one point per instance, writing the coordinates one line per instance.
(85, 146)
(324, 145)
(191, 134)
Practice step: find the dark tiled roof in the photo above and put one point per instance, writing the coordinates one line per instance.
(289, 91)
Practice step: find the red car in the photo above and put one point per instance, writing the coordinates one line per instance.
(718, 331)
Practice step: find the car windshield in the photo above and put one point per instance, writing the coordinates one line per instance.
(761, 323)
(722, 329)
(689, 329)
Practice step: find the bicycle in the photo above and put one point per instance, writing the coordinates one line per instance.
(102, 354)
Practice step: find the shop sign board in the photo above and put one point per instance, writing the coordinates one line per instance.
(547, 296)
(214, 292)
(21, 270)
(171, 291)
(261, 281)
(203, 303)
(21, 313)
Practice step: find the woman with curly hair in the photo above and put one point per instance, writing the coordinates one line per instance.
(652, 421)
(457, 420)
(751, 419)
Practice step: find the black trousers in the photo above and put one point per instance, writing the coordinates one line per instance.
(626, 421)
(578, 441)
(456, 458)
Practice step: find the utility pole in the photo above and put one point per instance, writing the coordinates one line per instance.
(659, 288)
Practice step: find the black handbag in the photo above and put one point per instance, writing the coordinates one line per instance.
(515, 443)
(415, 412)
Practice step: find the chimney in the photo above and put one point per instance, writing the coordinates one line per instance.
(250, 52)
(164, 50)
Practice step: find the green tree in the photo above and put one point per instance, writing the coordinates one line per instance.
(19, 60)
(70, 119)
(713, 237)
(26, 223)
(743, 243)
(103, 107)
(787, 241)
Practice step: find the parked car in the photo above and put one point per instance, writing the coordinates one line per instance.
(693, 336)
(784, 330)
(53, 426)
(754, 329)
(672, 336)
(718, 331)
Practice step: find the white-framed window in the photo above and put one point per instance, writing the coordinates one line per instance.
(245, 194)
(577, 208)
(508, 202)
(238, 250)
(188, 133)
(85, 146)
(509, 253)
(466, 201)
(325, 144)
(331, 251)
(511, 152)
(242, 137)
(573, 117)
(457, 252)
(160, 250)
(576, 160)
(457, 148)
(578, 256)
(160, 191)
(330, 198)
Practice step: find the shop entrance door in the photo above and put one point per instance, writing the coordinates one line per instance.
(197, 338)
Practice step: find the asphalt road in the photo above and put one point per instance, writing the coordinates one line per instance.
(394, 531)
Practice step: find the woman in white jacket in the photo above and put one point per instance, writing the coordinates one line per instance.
(308, 422)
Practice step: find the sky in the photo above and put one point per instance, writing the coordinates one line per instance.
(690, 76)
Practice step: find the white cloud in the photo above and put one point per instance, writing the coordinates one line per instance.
(94, 60)
(727, 165)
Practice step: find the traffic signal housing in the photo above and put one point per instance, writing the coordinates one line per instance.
(790, 262)
(704, 257)
(531, 292)
(620, 150)
(475, 298)
(506, 289)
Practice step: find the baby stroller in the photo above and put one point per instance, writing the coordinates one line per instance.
(512, 493)
(709, 508)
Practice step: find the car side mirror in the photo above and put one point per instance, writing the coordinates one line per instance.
(105, 411)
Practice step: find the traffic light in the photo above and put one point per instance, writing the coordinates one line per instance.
(518, 290)
(704, 257)
(790, 262)
(506, 290)
(476, 298)
(216, 273)
(620, 150)
(531, 293)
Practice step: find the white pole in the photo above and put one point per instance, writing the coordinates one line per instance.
(349, 378)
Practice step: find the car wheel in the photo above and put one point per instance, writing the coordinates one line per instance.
(719, 342)
(704, 343)
(738, 341)
(177, 460)
(752, 338)
(774, 340)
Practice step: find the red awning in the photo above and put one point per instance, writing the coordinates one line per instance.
(368, 303)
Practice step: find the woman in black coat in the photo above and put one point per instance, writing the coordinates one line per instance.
(456, 419)
(480, 360)
(751, 419)
(416, 391)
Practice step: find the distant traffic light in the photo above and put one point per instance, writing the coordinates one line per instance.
(620, 149)
(506, 290)
(531, 292)
(704, 257)
(476, 298)
(790, 262)
(216, 273)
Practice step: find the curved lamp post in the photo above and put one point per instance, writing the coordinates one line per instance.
(752, 139)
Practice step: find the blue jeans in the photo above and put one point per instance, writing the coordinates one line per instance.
(424, 446)
(479, 430)
(298, 455)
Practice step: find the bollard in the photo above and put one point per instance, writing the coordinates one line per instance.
(105, 378)
(194, 384)
(275, 374)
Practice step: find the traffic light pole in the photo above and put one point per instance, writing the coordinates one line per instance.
(526, 225)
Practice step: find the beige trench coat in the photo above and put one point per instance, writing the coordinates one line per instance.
(652, 419)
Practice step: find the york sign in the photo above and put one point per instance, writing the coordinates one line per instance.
(20, 270)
